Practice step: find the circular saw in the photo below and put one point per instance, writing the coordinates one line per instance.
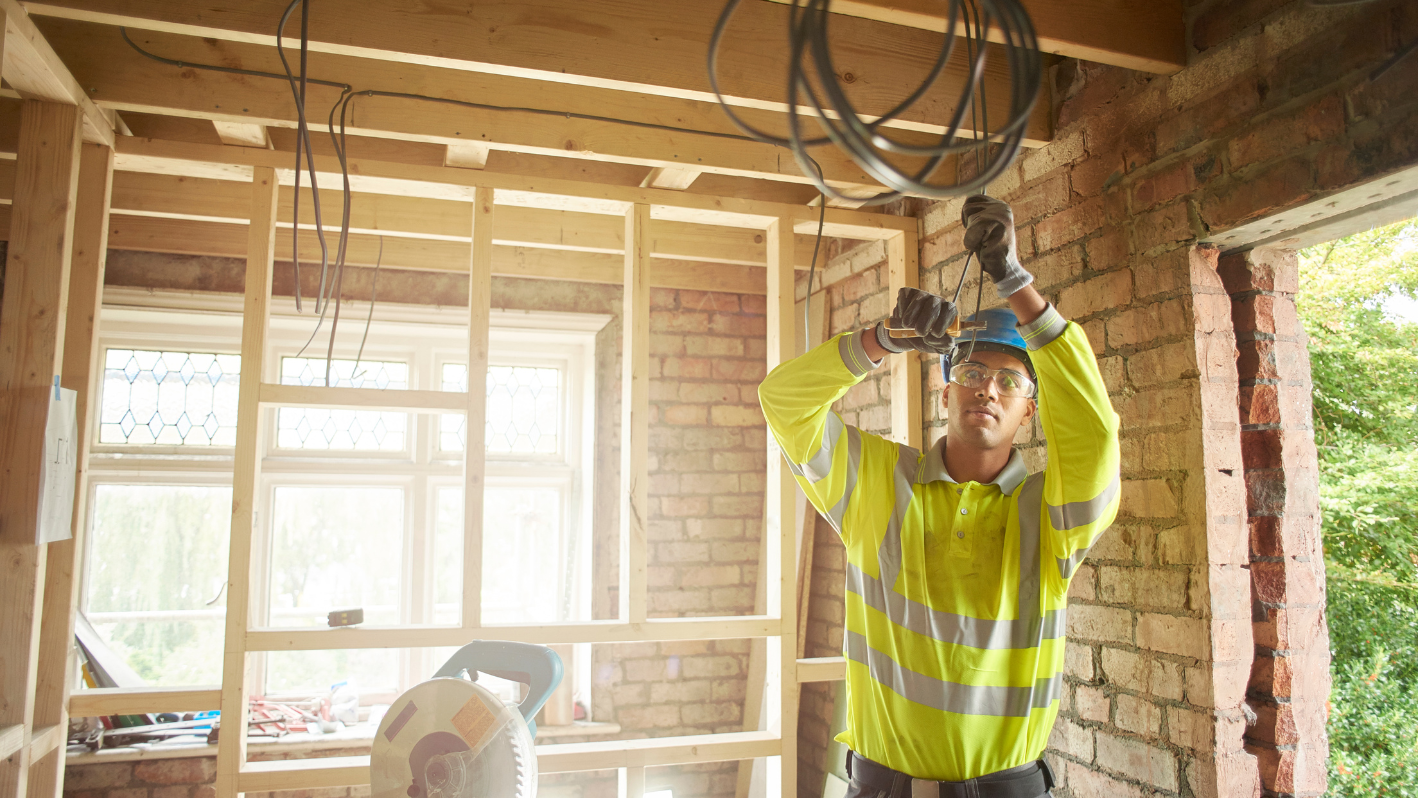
(450, 737)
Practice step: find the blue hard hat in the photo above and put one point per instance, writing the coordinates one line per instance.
(1001, 334)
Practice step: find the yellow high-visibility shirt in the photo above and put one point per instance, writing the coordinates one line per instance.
(956, 592)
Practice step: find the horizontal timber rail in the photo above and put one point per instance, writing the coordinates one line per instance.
(822, 669)
(708, 628)
(346, 771)
(363, 398)
(442, 182)
(139, 700)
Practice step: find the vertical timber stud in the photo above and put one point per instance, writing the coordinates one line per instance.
(31, 351)
(781, 507)
(475, 424)
(246, 479)
(904, 271)
(61, 583)
(635, 416)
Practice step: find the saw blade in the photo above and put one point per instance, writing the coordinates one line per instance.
(452, 738)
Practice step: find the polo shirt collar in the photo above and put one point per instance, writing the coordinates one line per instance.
(1009, 477)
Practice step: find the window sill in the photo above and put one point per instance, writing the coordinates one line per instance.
(352, 741)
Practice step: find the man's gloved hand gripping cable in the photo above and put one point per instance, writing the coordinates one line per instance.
(989, 233)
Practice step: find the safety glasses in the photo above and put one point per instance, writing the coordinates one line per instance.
(1008, 381)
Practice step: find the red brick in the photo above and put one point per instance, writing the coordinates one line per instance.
(1092, 703)
(1090, 622)
(1261, 448)
(1162, 186)
(1271, 189)
(1112, 290)
(1173, 635)
(709, 300)
(1108, 251)
(195, 770)
(737, 324)
(1257, 362)
(1069, 225)
(1092, 176)
(1281, 136)
(1170, 224)
(1258, 405)
(1222, 21)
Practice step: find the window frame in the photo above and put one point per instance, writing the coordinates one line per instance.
(425, 337)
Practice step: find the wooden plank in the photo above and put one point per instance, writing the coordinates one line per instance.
(169, 196)
(903, 270)
(242, 134)
(304, 774)
(146, 234)
(655, 629)
(639, 46)
(631, 782)
(32, 329)
(657, 751)
(43, 742)
(33, 69)
(346, 771)
(125, 80)
(635, 418)
(81, 355)
(466, 155)
(11, 739)
(275, 395)
(385, 177)
(780, 501)
(246, 476)
(1142, 35)
(822, 669)
(95, 702)
(671, 177)
(480, 256)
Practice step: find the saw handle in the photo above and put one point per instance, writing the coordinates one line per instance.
(538, 667)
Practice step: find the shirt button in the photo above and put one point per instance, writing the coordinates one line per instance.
(964, 511)
(960, 534)
(958, 491)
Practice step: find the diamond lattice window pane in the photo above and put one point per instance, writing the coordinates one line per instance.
(169, 398)
(361, 430)
(523, 410)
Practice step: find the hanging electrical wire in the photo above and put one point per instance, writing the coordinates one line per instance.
(813, 81)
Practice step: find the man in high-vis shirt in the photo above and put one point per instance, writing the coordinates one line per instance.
(958, 560)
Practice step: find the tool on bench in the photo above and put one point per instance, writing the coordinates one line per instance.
(450, 737)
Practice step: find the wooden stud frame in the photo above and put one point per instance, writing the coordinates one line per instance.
(779, 625)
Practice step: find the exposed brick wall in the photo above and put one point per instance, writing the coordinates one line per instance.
(1290, 678)
(1275, 109)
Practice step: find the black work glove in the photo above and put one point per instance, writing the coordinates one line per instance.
(989, 233)
(923, 312)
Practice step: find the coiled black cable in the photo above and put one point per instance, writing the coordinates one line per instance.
(863, 138)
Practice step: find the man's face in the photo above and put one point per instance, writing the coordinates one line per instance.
(981, 417)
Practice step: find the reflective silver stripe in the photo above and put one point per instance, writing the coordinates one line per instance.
(854, 355)
(1067, 565)
(962, 699)
(947, 627)
(819, 465)
(854, 461)
(888, 556)
(1077, 514)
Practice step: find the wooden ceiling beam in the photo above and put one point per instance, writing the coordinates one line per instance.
(33, 69)
(381, 177)
(195, 199)
(242, 134)
(1145, 35)
(120, 78)
(641, 46)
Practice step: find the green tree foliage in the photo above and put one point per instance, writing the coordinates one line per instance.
(1358, 303)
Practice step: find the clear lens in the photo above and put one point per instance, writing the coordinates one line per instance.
(1008, 381)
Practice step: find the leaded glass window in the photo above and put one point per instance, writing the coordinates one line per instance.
(169, 398)
(523, 410)
(365, 430)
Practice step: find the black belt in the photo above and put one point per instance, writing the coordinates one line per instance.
(1031, 780)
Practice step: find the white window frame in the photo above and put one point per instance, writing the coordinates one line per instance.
(426, 338)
